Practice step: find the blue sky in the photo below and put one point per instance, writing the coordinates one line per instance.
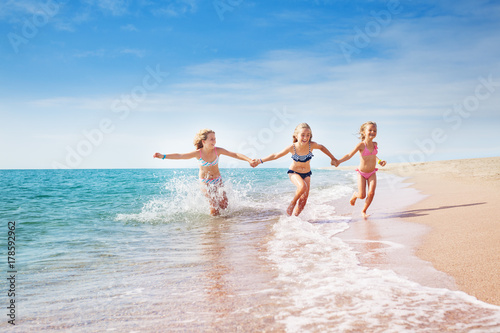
(107, 83)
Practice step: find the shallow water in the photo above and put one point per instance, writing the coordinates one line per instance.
(136, 250)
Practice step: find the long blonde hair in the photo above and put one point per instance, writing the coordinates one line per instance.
(202, 135)
(363, 127)
(298, 128)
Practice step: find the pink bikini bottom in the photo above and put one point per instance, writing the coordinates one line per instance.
(366, 175)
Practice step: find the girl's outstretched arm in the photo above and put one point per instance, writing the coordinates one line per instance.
(277, 155)
(351, 154)
(238, 156)
(177, 156)
(325, 150)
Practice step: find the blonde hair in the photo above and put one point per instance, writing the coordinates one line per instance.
(298, 128)
(363, 127)
(202, 135)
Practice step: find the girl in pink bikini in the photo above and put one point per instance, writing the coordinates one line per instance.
(210, 178)
(367, 166)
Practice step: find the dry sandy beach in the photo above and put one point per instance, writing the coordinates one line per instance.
(460, 207)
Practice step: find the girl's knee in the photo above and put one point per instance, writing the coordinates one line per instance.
(303, 197)
(301, 189)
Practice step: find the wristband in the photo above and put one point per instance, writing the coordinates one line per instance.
(164, 157)
(379, 161)
(261, 161)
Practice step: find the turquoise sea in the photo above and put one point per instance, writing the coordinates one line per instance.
(137, 251)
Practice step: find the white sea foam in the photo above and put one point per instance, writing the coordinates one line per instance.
(327, 289)
(181, 199)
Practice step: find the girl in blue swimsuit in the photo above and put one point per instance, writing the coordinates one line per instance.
(210, 178)
(300, 169)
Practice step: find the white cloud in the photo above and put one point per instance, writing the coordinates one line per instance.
(406, 78)
(129, 27)
(92, 53)
(104, 53)
(135, 52)
(176, 8)
(114, 7)
(69, 104)
(12, 8)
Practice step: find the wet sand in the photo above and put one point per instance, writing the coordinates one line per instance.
(462, 238)
(461, 210)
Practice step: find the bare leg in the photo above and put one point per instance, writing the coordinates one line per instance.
(214, 211)
(303, 198)
(372, 185)
(223, 200)
(361, 194)
(301, 188)
(214, 206)
(353, 198)
(217, 200)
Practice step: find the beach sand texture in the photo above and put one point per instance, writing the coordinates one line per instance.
(461, 210)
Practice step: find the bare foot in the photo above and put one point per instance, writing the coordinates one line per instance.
(214, 212)
(353, 199)
(365, 216)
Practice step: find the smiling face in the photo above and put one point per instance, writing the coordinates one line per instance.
(303, 136)
(210, 141)
(370, 132)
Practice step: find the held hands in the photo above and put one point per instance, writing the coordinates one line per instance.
(254, 162)
(335, 162)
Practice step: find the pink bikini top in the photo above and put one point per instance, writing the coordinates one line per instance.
(366, 152)
(205, 163)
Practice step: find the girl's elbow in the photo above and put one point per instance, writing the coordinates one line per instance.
(346, 158)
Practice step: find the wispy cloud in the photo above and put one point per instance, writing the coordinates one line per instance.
(12, 8)
(428, 58)
(430, 68)
(105, 53)
(17, 12)
(176, 8)
(129, 27)
(294, 16)
(71, 103)
(135, 52)
(113, 7)
(92, 53)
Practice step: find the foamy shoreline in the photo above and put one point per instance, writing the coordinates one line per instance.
(463, 240)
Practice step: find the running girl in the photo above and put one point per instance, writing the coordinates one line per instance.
(368, 150)
(208, 157)
(300, 169)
